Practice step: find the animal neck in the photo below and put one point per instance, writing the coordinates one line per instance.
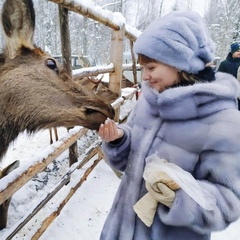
(7, 135)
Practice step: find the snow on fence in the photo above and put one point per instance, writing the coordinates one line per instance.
(18, 178)
(107, 18)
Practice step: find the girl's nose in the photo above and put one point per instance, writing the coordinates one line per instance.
(145, 75)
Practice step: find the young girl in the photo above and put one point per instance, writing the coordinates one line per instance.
(188, 116)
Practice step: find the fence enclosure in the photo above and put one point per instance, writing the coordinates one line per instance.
(18, 178)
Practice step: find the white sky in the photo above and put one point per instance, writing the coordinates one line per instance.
(197, 5)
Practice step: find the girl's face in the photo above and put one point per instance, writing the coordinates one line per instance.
(159, 75)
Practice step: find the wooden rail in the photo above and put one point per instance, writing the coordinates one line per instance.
(18, 178)
(63, 201)
(94, 71)
(98, 15)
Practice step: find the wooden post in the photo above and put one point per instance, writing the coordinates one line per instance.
(65, 39)
(67, 61)
(134, 66)
(115, 78)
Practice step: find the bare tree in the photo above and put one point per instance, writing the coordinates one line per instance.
(223, 20)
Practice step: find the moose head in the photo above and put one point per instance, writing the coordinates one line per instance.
(36, 92)
(94, 85)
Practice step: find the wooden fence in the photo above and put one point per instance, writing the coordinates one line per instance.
(18, 178)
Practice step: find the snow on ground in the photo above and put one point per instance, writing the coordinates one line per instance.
(83, 217)
(87, 209)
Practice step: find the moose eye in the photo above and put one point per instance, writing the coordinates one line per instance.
(51, 64)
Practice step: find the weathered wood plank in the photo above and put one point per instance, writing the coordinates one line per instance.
(49, 219)
(77, 7)
(115, 78)
(12, 185)
(46, 198)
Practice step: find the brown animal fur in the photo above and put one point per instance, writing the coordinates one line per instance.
(35, 90)
(96, 86)
(124, 84)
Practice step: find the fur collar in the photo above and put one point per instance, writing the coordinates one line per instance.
(194, 101)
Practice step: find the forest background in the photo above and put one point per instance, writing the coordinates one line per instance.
(92, 39)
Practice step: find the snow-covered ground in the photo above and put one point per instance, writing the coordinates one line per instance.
(83, 216)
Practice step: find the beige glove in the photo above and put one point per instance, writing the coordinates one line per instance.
(162, 177)
(161, 191)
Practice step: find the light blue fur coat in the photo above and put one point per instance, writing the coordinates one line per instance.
(196, 127)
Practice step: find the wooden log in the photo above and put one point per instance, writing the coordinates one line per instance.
(9, 185)
(67, 62)
(134, 67)
(46, 198)
(116, 57)
(94, 71)
(131, 66)
(126, 96)
(65, 39)
(49, 219)
(76, 6)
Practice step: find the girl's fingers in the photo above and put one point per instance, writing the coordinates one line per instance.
(105, 131)
(108, 131)
(112, 129)
(101, 131)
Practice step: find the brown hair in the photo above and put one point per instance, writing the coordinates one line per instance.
(189, 77)
(142, 59)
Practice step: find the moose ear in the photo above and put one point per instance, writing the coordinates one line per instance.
(18, 28)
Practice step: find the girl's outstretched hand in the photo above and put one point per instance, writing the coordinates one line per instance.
(109, 131)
